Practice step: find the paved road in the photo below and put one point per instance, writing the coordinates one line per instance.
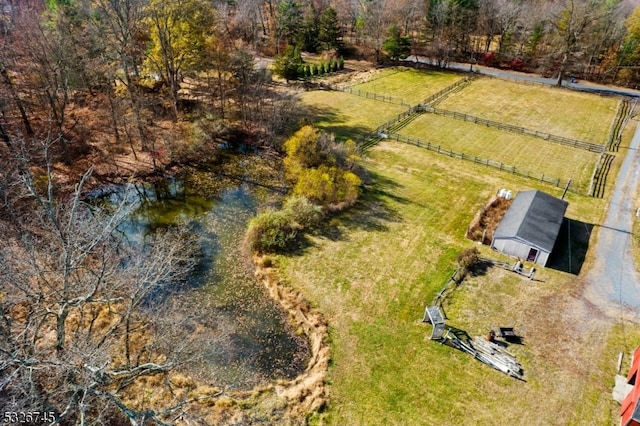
(612, 284)
(587, 87)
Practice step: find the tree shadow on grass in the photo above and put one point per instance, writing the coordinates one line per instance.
(571, 247)
(480, 268)
(371, 213)
(330, 120)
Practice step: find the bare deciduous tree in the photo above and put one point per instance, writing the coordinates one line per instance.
(78, 324)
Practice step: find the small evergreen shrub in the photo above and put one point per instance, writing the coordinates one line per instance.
(303, 212)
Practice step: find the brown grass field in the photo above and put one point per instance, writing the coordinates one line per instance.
(410, 85)
(375, 269)
(345, 115)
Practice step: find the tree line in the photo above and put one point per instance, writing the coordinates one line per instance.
(102, 41)
(128, 49)
(593, 39)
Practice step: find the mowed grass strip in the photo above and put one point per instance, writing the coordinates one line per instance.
(561, 112)
(411, 85)
(372, 272)
(522, 151)
(346, 115)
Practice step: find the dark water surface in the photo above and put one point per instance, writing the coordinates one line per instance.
(249, 342)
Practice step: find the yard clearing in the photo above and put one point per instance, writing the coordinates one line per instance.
(373, 271)
(561, 112)
(346, 115)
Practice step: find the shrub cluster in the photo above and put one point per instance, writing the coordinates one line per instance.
(325, 179)
(276, 229)
(322, 170)
(467, 260)
(290, 65)
(313, 70)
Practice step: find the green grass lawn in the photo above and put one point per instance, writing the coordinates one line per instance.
(372, 271)
(346, 115)
(522, 151)
(561, 112)
(408, 84)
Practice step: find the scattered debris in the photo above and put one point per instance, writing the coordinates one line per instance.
(488, 351)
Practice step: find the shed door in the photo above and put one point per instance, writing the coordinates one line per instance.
(533, 255)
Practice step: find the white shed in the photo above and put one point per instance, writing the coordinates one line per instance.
(530, 227)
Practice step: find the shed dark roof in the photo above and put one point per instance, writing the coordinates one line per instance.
(535, 217)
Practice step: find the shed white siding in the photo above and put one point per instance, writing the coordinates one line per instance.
(520, 249)
(530, 227)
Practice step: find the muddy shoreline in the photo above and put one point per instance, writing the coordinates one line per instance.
(307, 392)
(286, 402)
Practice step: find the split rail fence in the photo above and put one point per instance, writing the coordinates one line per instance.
(560, 183)
(574, 143)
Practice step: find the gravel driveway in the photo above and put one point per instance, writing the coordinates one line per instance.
(613, 283)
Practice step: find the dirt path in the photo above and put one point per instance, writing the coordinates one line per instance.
(613, 283)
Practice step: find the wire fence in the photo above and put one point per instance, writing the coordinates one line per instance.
(623, 115)
(398, 119)
(598, 182)
(589, 146)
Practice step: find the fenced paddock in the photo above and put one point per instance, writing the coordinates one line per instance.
(524, 152)
(374, 96)
(410, 85)
(347, 115)
(526, 148)
(561, 112)
(574, 143)
(529, 174)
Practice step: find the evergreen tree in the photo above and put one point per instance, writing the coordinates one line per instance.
(396, 46)
(290, 23)
(288, 64)
(309, 32)
(329, 32)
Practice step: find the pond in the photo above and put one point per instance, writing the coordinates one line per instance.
(253, 342)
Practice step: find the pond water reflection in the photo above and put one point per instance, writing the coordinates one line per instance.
(252, 342)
